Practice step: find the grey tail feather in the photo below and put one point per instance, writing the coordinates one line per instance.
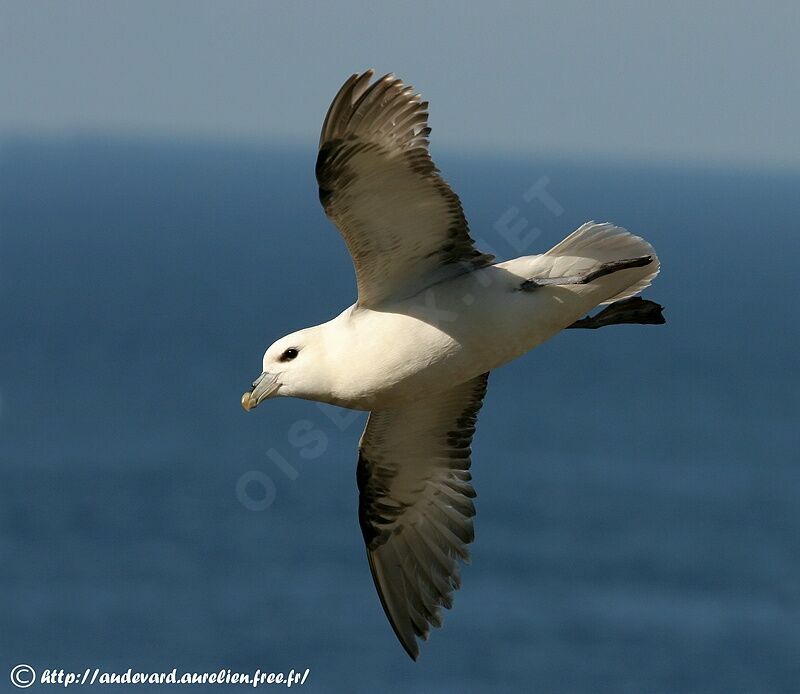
(633, 310)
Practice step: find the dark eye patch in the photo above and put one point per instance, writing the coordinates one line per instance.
(289, 354)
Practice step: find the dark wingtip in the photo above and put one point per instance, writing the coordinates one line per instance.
(412, 653)
(659, 319)
(651, 312)
(412, 647)
(634, 310)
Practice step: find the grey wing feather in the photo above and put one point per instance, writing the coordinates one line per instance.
(415, 506)
(403, 225)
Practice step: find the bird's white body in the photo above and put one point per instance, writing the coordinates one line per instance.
(434, 315)
(465, 326)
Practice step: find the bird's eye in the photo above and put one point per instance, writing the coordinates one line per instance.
(289, 354)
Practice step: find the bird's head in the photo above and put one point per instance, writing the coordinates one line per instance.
(292, 367)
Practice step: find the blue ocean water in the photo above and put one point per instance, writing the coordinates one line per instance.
(638, 523)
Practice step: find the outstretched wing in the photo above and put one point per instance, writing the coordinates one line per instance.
(403, 225)
(415, 505)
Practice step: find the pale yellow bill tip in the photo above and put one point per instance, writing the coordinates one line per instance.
(247, 401)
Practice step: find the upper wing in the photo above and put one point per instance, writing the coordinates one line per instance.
(415, 505)
(403, 226)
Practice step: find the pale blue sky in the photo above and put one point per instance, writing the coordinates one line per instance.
(695, 81)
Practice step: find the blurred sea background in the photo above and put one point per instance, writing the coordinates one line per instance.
(638, 523)
(638, 527)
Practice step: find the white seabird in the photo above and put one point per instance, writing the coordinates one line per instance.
(433, 317)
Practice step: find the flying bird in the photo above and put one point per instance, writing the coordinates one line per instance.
(434, 315)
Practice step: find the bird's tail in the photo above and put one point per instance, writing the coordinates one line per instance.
(591, 246)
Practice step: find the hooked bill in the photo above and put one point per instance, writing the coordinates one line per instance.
(247, 401)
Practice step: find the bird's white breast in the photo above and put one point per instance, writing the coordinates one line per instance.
(443, 336)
